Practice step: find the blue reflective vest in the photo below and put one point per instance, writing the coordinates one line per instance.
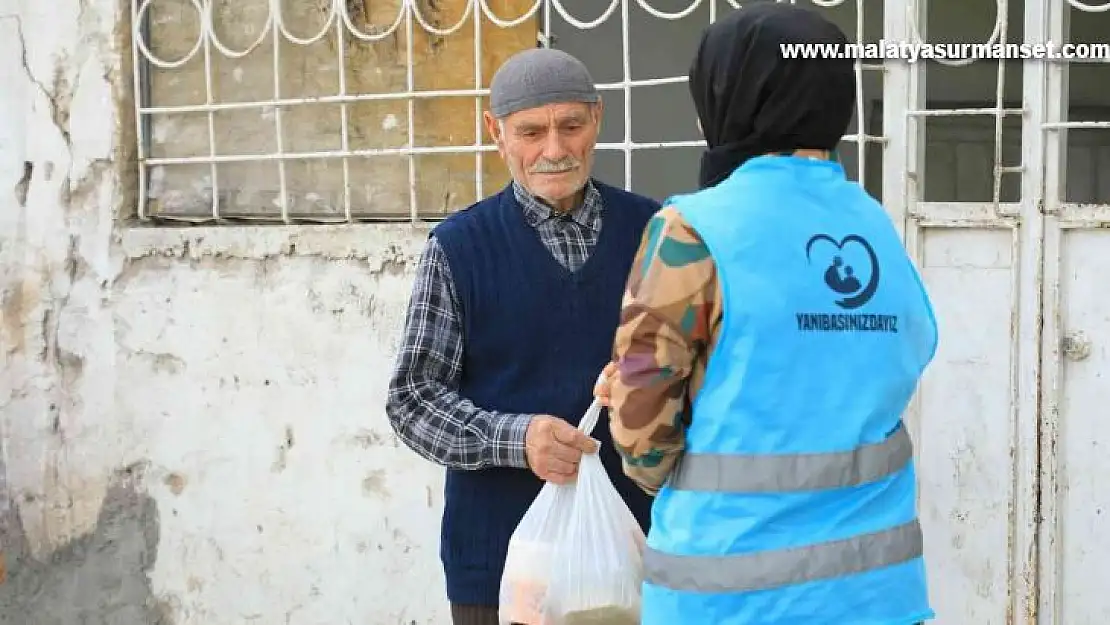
(795, 500)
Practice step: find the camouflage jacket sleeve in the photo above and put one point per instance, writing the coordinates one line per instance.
(669, 320)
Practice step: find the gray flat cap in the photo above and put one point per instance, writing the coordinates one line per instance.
(539, 76)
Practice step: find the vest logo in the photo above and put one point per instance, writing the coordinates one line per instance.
(851, 272)
(841, 277)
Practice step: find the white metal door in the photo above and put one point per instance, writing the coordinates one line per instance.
(975, 415)
(1075, 440)
(1006, 422)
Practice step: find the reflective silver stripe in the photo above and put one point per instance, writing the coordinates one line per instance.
(771, 569)
(767, 473)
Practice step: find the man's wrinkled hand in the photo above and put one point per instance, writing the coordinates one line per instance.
(554, 448)
(604, 386)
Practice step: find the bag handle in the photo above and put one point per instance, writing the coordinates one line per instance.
(593, 413)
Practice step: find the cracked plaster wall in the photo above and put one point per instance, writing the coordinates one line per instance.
(191, 422)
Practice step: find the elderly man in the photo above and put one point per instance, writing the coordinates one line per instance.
(511, 319)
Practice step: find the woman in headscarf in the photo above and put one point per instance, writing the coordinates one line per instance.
(774, 330)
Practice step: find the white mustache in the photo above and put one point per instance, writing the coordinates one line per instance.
(554, 167)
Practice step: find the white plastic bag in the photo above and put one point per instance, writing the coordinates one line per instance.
(576, 558)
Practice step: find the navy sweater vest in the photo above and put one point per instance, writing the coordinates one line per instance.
(536, 338)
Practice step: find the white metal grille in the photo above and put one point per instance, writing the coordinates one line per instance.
(202, 183)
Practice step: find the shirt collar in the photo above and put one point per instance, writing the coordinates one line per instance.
(587, 214)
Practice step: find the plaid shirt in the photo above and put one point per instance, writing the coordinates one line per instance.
(424, 407)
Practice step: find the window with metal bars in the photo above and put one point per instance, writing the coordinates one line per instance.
(360, 110)
(351, 110)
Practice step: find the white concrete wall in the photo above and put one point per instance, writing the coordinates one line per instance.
(192, 420)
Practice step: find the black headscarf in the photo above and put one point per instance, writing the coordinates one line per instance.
(752, 101)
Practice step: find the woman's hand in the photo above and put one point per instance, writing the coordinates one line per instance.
(601, 391)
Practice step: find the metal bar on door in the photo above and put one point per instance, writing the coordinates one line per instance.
(1053, 79)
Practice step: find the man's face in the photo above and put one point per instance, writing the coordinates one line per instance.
(549, 149)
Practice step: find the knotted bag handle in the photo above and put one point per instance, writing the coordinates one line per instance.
(593, 413)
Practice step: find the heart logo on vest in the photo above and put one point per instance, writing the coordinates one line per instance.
(850, 262)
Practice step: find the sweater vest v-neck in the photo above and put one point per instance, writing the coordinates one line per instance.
(536, 337)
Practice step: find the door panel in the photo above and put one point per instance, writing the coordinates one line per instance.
(1081, 430)
(965, 431)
